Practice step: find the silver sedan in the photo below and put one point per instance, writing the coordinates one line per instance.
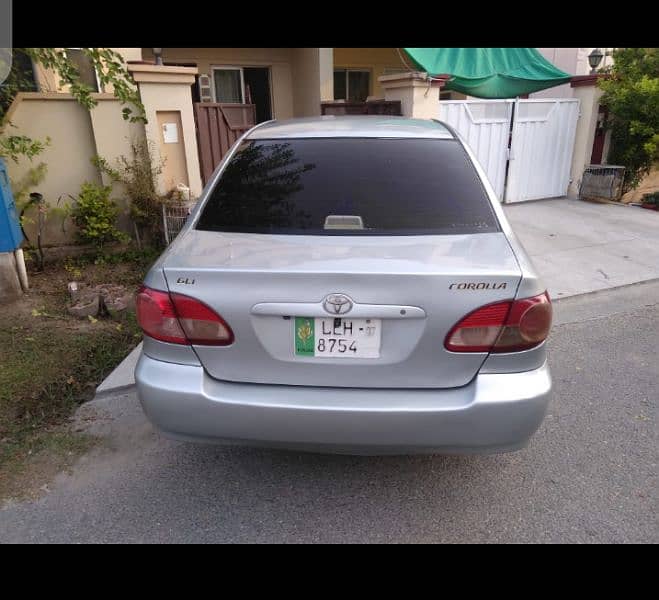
(347, 284)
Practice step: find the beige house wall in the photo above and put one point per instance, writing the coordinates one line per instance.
(306, 82)
(129, 54)
(376, 60)
(77, 135)
(49, 81)
(585, 135)
(279, 60)
(418, 97)
(68, 156)
(326, 71)
(168, 90)
(300, 78)
(114, 138)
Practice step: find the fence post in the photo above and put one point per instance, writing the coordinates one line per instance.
(584, 88)
(165, 93)
(416, 91)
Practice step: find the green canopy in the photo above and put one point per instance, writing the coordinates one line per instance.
(489, 72)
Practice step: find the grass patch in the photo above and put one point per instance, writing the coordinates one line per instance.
(50, 362)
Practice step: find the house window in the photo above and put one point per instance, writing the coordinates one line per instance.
(21, 78)
(244, 85)
(85, 67)
(229, 84)
(352, 85)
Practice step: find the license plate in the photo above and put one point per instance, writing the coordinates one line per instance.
(329, 337)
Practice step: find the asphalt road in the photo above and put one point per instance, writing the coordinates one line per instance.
(589, 474)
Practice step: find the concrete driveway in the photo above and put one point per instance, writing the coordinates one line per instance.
(580, 247)
(589, 474)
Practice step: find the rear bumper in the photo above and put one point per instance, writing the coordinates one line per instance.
(494, 413)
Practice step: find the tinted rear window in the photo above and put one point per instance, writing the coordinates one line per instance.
(396, 186)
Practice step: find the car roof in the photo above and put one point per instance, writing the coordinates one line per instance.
(357, 126)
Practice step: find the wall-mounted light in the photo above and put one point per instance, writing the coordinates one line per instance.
(594, 59)
(157, 52)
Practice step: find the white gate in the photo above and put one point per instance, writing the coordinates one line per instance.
(485, 125)
(541, 148)
(538, 153)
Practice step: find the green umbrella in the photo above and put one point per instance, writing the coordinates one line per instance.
(489, 72)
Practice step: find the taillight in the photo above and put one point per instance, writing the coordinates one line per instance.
(179, 319)
(157, 316)
(201, 324)
(508, 326)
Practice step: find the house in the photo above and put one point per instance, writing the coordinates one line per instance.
(181, 86)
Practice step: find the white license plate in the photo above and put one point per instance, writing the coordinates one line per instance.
(327, 337)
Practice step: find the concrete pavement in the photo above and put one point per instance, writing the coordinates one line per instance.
(580, 247)
(589, 474)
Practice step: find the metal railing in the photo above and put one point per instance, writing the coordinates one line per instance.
(602, 182)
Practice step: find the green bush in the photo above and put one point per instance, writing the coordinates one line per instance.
(631, 93)
(95, 216)
(138, 174)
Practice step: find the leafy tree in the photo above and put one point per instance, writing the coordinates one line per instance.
(107, 63)
(138, 173)
(631, 93)
(111, 72)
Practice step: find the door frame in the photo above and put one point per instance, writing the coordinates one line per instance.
(241, 68)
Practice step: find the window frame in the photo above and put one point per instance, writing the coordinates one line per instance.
(99, 87)
(357, 70)
(229, 68)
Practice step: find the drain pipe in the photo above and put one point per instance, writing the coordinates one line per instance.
(20, 267)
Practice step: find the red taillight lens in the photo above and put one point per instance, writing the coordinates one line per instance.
(157, 316)
(202, 325)
(179, 319)
(508, 326)
(479, 330)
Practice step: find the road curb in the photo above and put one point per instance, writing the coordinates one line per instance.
(122, 377)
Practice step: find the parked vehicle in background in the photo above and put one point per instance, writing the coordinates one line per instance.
(347, 284)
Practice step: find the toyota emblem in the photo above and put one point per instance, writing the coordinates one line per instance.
(337, 304)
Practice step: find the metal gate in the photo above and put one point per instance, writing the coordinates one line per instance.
(541, 149)
(485, 126)
(218, 127)
(524, 146)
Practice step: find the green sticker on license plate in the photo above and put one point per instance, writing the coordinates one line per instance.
(304, 336)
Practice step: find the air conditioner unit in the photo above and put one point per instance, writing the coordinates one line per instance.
(205, 90)
(602, 183)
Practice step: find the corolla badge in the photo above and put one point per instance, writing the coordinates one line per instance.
(337, 304)
(478, 286)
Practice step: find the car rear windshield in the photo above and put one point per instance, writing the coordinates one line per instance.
(349, 186)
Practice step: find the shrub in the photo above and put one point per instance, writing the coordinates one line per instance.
(95, 216)
(138, 174)
(631, 93)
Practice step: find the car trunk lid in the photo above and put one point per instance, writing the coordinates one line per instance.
(418, 287)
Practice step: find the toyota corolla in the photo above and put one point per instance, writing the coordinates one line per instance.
(347, 284)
